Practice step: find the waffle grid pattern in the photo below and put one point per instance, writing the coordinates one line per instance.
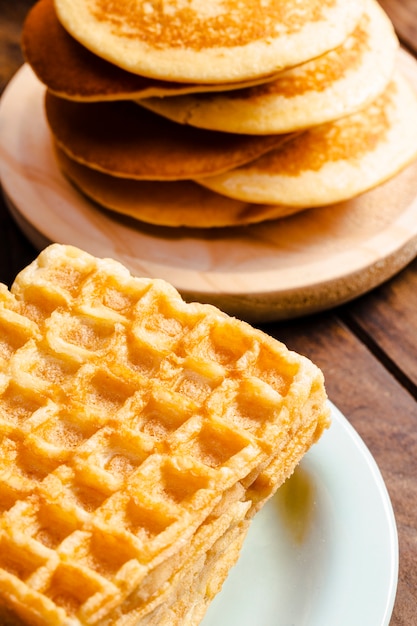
(137, 433)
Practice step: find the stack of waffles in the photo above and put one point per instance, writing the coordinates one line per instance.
(225, 113)
(139, 435)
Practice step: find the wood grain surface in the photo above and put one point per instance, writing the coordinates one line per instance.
(367, 349)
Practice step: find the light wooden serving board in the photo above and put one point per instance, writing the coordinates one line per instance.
(291, 267)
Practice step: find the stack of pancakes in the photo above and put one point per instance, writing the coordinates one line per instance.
(139, 435)
(223, 113)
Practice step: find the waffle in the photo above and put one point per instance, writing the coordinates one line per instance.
(139, 434)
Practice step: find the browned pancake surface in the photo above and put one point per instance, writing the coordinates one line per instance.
(188, 24)
(211, 42)
(331, 86)
(165, 203)
(66, 66)
(126, 140)
(348, 139)
(70, 70)
(334, 161)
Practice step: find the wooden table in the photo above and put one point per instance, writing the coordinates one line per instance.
(367, 349)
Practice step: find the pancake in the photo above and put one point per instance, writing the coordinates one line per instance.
(331, 86)
(200, 41)
(71, 71)
(166, 203)
(125, 140)
(334, 161)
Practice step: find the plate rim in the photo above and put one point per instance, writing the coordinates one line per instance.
(391, 547)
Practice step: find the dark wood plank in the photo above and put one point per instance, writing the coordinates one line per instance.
(384, 414)
(386, 320)
(15, 250)
(12, 16)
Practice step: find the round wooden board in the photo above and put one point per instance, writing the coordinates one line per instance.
(291, 267)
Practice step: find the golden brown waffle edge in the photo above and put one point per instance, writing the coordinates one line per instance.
(136, 430)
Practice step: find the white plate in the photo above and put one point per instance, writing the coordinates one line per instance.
(336, 563)
(304, 263)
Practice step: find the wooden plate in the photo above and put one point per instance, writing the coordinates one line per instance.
(291, 267)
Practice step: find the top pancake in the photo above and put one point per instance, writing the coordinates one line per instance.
(329, 87)
(71, 71)
(217, 41)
